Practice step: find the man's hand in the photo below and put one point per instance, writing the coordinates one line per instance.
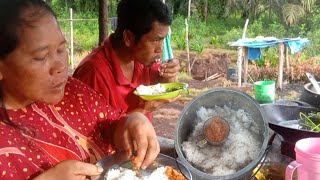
(168, 71)
(135, 135)
(150, 106)
(70, 170)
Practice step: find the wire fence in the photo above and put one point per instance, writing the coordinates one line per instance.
(69, 33)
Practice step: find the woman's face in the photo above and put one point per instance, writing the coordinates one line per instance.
(37, 69)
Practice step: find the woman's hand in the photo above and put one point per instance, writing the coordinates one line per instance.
(168, 71)
(70, 170)
(135, 135)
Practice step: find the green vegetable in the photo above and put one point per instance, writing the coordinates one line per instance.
(173, 89)
(311, 121)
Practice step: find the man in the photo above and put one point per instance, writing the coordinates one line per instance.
(129, 57)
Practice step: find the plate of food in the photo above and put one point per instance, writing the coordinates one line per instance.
(161, 91)
(163, 168)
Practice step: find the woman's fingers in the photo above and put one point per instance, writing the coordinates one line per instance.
(142, 144)
(128, 146)
(86, 169)
(137, 129)
(152, 152)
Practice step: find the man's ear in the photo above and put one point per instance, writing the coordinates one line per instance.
(128, 38)
(1, 69)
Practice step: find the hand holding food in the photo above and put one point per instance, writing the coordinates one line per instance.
(169, 70)
(70, 170)
(136, 134)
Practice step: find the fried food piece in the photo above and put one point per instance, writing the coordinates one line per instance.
(173, 174)
(135, 162)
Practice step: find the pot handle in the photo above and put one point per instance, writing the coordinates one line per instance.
(264, 157)
(299, 103)
(291, 168)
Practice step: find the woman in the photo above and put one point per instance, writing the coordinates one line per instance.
(52, 126)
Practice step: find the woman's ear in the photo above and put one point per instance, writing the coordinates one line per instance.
(128, 38)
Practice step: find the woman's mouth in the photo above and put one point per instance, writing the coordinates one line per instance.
(60, 85)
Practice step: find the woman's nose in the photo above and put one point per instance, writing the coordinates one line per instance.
(59, 64)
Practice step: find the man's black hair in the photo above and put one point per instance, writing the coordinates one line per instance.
(137, 16)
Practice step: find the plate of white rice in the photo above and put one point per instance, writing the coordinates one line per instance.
(118, 168)
(161, 91)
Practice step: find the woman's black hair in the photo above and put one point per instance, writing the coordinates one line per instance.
(138, 16)
(11, 23)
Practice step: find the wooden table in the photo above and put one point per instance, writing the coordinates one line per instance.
(282, 57)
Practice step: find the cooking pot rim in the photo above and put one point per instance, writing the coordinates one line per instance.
(244, 171)
(307, 88)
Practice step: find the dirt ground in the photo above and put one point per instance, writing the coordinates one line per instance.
(165, 118)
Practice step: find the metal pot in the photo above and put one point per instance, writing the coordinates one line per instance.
(309, 95)
(280, 118)
(235, 100)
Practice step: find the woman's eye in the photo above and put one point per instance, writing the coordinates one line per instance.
(41, 58)
(62, 50)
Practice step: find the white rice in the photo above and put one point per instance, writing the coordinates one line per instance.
(128, 174)
(151, 90)
(241, 147)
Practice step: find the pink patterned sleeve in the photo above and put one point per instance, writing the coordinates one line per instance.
(94, 102)
(15, 165)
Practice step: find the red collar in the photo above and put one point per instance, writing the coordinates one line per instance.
(114, 62)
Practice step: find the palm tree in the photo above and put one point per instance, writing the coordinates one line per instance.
(291, 10)
(292, 13)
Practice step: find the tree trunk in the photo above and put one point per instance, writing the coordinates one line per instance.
(206, 11)
(103, 20)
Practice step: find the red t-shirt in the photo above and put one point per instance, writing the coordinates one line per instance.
(101, 71)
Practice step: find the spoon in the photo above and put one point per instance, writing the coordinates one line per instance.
(314, 82)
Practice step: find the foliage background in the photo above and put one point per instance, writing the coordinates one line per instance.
(224, 23)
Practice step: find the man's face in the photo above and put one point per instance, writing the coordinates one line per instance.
(149, 47)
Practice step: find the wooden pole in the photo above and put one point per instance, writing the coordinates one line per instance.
(71, 40)
(189, 9)
(103, 20)
(286, 54)
(187, 46)
(280, 68)
(245, 64)
(240, 54)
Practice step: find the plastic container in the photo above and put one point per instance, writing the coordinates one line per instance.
(264, 91)
(307, 160)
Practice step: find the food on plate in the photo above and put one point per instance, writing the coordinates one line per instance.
(173, 174)
(135, 161)
(151, 90)
(161, 173)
